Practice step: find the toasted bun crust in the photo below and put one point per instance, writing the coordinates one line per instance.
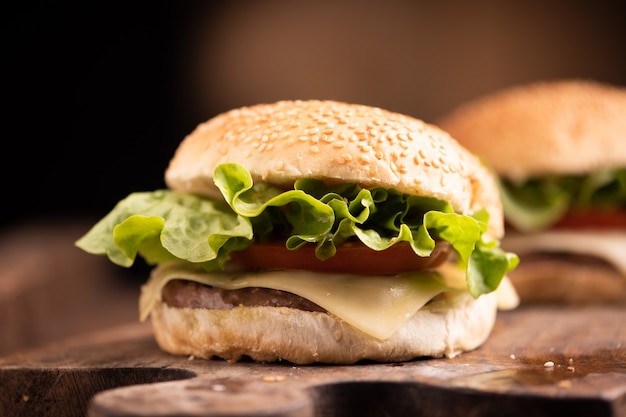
(337, 142)
(551, 127)
(266, 334)
(563, 281)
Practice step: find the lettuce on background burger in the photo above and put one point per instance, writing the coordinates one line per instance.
(559, 150)
(316, 231)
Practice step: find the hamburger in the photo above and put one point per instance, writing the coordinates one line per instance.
(316, 231)
(558, 148)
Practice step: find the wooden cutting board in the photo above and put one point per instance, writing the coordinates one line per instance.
(121, 372)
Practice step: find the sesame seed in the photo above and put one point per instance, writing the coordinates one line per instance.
(548, 364)
(365, 148)
(314, 149)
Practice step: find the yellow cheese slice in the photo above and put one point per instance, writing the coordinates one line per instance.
(377, 305)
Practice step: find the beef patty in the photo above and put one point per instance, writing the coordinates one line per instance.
(182, 293)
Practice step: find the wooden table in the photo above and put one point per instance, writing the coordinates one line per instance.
(50, 289)
(121, 372)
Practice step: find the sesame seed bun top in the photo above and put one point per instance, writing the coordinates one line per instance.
(551, 127)
(336, 142)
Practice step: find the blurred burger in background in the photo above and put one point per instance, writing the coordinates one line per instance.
(559, 150)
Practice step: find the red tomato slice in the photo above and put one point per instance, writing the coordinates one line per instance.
(350, 258)
(593, 219)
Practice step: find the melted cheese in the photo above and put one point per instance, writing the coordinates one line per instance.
(609, 246)
(376, 305)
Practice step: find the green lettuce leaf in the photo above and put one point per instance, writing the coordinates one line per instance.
(166, 225)
(539, 202)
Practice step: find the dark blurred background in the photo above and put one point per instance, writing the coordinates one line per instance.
(97, 95)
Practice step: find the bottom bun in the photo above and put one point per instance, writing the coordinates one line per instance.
(446, 327)
(566, 281)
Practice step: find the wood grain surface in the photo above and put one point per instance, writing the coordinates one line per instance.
(121, 372)
(50, 289)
